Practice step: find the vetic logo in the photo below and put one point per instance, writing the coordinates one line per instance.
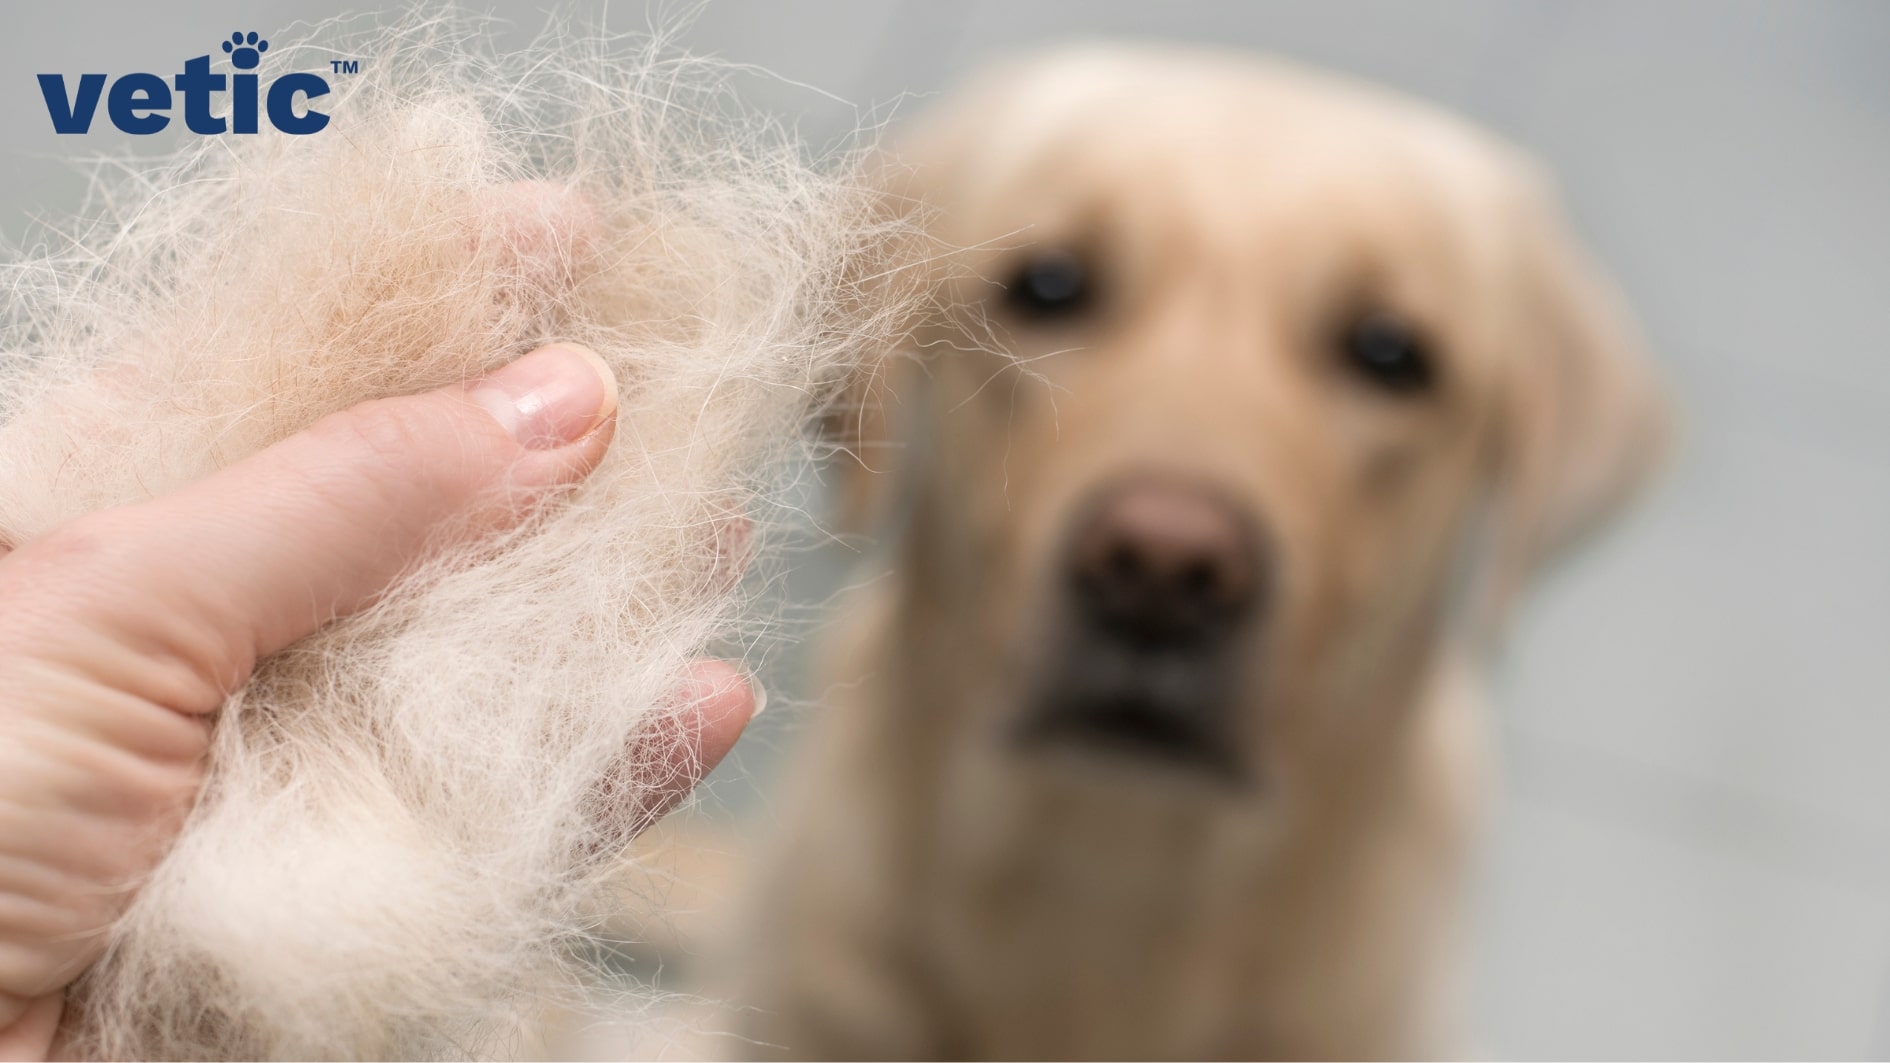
(140, 103)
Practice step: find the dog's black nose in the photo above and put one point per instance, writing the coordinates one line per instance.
(1165, 563)
(1163, 575)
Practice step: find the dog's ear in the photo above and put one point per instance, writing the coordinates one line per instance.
(1581, 422)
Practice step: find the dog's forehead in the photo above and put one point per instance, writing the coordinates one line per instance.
(1102, 120)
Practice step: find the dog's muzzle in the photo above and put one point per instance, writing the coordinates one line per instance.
(1162, 580)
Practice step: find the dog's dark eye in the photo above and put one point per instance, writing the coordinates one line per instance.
(1389, 353)
(1050, 284)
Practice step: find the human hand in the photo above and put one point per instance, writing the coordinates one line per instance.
(121, 631)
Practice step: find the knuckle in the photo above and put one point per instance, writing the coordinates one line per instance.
(24, 968)
(413, 456)
(83, 542)
(396, 446)
(385, 432)
(165, 789)
(71, 564)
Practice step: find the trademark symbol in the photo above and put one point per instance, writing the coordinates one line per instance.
(344, 66)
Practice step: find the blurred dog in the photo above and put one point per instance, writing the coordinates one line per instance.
(1257, 395)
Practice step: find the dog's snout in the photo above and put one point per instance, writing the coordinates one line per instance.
(1165, 562)
(1162, 576)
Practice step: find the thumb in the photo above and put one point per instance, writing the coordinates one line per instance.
(263, 552)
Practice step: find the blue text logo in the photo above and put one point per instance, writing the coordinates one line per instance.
(140, 104)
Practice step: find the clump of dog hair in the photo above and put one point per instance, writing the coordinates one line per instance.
(400, 839)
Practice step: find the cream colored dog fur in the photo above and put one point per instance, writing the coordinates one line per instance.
(944, 890)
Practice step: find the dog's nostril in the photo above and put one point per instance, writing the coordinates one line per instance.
(1198, 579)
(1124, 564)
(1163, 561)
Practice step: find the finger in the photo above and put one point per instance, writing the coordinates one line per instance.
(265, 551)
(29, 1033)
(719, 702)
(663, 766)
(724, 703)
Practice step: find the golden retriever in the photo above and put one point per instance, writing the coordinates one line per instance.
(1257, 394)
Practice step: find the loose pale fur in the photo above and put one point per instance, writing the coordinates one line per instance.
(403, 828)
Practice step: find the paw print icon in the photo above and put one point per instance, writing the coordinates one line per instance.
(245, 50)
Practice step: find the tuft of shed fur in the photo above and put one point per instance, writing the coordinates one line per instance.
(403, 833)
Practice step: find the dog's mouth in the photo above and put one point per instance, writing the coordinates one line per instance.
(1173, 710)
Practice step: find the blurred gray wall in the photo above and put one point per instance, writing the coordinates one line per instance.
(1691, 856)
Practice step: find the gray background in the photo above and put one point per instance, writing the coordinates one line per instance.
(1691, 855)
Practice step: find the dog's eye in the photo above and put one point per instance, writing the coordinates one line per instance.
(1050, 284)
(1389, 353)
